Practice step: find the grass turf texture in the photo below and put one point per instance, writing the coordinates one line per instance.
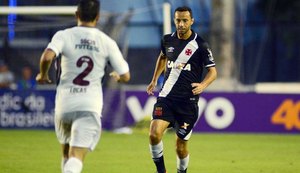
(31, 151)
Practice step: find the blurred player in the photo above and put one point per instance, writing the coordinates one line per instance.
(27, 81)
(85, 51)
(184, 54)
(6, 77)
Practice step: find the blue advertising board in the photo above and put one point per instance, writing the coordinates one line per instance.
(218, 112)
(26, 109)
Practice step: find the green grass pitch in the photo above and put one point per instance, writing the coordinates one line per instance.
(37, 151)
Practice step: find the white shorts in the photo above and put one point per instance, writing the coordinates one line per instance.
(78, 129)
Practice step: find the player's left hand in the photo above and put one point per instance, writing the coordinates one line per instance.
(197, 88)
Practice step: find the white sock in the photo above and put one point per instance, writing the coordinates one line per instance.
(63, 162)
(156, 150)
(182, 164)
(73, 165)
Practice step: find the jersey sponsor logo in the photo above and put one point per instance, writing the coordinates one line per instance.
(180, 66)
(188, 52)
(87, 44)
(171, 49)
(87, 41)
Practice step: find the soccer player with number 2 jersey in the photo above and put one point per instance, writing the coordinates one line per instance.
(85, 51)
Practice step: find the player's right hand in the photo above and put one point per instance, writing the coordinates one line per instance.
(150, 88)
(115, 76)
(43, 79)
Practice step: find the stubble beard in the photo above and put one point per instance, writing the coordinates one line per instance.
(182, 32)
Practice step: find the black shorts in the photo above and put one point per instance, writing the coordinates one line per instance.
(181, 115)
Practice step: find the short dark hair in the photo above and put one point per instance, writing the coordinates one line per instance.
(88, 10)
(184, 8)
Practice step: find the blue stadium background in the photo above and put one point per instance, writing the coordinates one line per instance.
(270, 35)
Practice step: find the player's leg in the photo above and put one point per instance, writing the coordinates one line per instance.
(186, 118)
(182, 155)
(85, 134)
(63, 133)
(157, 129)
(75, 161)
(65, 155)
(161, 118)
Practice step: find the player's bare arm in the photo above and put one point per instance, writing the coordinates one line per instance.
(209, 78)
(45, 63)
(159, 68)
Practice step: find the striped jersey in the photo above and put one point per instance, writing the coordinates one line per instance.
(84, 52)
(186, 60)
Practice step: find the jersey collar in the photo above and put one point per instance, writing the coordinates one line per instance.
(192, 36)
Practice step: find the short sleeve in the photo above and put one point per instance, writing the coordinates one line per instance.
(57, 43)
(116, 58)
(208, 56)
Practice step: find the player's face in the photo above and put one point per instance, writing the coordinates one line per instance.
(183, 22)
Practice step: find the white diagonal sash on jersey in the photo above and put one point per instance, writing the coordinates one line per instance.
(174, 74)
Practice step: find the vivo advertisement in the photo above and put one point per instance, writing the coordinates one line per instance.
(219, 112)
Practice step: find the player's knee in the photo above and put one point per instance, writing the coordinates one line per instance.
(154, 137)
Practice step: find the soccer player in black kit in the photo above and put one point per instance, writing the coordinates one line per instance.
(184, 55)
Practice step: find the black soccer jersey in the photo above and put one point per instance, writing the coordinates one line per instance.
(185, 62)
